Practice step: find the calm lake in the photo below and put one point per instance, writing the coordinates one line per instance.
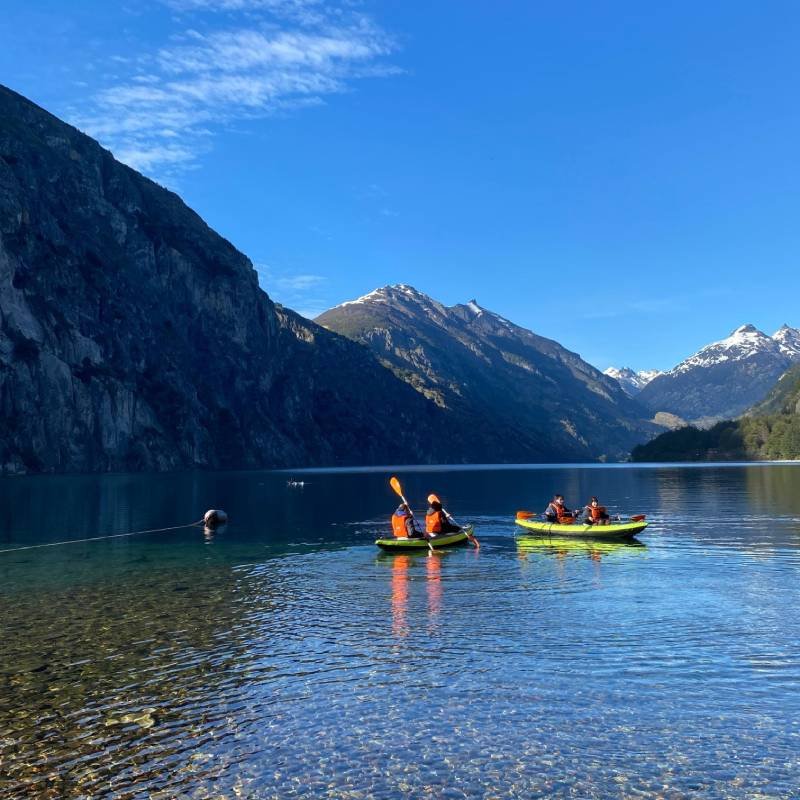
(285, 657)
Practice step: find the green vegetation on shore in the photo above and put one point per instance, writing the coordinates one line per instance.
(770, 432)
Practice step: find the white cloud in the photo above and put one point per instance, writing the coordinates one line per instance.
(303, 292)
(271, 57)
(299, 283)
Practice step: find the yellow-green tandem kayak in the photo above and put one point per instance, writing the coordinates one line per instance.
(621, 530)
(443, 540)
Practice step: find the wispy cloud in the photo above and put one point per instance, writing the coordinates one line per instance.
(299, 283)
(303, 292)
(240, 59)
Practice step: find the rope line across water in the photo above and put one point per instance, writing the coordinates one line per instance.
(98, 538)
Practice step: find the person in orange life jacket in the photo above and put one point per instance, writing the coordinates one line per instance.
(595, 514)
(436, 520)
(403, 526)
(556, 511)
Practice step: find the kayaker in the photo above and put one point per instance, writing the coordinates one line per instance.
(595, 514)
(556, 511)
(404, 525)
(437, 520)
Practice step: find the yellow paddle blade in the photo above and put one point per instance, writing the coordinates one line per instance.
(395, 484)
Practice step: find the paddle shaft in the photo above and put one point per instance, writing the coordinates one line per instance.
(470, 536)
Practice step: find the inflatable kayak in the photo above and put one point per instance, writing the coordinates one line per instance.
(442, 540)
(616, 530)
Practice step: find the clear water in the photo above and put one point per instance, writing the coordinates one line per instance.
(285, 657)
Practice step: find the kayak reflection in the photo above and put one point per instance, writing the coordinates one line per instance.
(402, 566)
(400, 595)
(563, 546)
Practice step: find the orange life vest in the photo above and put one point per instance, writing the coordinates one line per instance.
(399, 525)
(433, 521)
(597, 513)
(562, 513)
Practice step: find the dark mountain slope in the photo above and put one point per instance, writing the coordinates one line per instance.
(134, 337)
(526, 397)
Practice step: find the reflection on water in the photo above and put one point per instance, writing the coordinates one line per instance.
(400, 567)
(284, 657)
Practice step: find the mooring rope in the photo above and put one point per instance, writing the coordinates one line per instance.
(98, 538)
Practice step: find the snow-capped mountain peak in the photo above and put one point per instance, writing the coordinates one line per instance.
(396, 293)
(788, 340)
(632, 382)
(742, 343)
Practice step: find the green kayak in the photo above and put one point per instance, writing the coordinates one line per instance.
(443, 540)
(622, 530)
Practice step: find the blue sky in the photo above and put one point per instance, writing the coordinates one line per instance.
(620, 176)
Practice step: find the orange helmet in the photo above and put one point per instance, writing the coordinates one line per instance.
(432, 498)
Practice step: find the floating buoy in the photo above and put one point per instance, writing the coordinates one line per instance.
(214, 517)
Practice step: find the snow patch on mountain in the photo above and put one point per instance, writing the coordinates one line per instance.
(388, 294)
(632, 382)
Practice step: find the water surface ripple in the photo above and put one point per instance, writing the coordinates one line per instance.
(287, 658)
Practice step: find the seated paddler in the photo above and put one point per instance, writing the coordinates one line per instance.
(403, 524)
(437, 520)
(594, 513)
(556, 511)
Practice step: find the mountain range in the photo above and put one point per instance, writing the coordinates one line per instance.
(134, 337)
(524, 395)
(724, 378)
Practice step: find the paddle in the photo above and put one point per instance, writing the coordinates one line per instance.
(531, 515)
(398, 490)
(470, 536)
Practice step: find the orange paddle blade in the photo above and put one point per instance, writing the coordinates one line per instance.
(395, 484)
(525, 514)
(638, 518)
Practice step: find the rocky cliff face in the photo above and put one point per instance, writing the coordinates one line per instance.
(133, 337)
(522, 397)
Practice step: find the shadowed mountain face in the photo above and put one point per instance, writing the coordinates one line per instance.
(133, 337)
(524, 396)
